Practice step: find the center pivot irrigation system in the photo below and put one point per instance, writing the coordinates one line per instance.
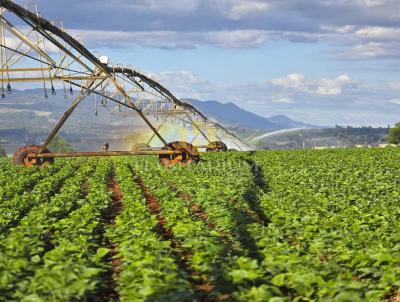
(34, 49)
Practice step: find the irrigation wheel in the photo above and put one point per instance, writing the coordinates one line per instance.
(217, 146)
(139, 146)
(21, 157)
(189, 155)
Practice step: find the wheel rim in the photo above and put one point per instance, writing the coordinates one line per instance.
(21, 157)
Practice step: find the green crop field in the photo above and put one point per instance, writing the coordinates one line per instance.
(321, 225)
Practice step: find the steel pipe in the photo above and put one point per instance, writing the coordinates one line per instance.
(104, 153)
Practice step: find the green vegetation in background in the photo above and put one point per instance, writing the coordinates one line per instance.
(324, 137)
(394, 135)
(59, 145)
(2, 152)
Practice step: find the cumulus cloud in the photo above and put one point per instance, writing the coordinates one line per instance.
(297, 96)
(344, 24)
(377, 33)
(185, 83)
(393, 85)
(173, 39)
(345, 29)
(177, 7)
(394, 101)
(365, 42)
(371, 50)
(372, 3)
(183, 77)
(284, 100)
(299, 82)
(351, 29)
(237, 39)
(239, 9)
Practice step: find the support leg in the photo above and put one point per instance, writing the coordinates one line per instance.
(158, 130)
(67, 114)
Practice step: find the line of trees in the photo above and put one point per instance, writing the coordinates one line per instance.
(394, 135)
(2, 152)
(59, 144)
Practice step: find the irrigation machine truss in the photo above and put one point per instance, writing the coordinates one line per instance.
(34, 49)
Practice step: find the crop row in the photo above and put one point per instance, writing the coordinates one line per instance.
(227, 262)
(266, 226)
(8, 172)
(11, 210)
(17, 184)
(5, 163)
(23, 247)
(333, 233)
(227, 192)
(275, 202)
(148, 270)
(56, 252)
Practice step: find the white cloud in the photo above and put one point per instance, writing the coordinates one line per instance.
(236, 23)
(294, 80)
(364, 42)
(379, 33)
(394, 101)
(180, 76)
(371, 50)
(372, 3)
(338, 29)
(284, 101)
(367, 3)
(176, 7)
(240, 9)
(237, 38)
(394, 85)
(174, 39)
(185, 83)
(299, 82)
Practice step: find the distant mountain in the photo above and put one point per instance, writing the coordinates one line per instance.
(234, 116)
(29, 109)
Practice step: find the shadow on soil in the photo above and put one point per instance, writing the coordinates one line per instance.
(252, 194)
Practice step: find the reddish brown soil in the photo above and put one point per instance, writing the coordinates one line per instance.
(198, 281)
(198, 211)
(395, 298)
(116, 197)
(85, 188)
(115, 209)
(357, 278)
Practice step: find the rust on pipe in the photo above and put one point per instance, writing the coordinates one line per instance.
(105, 153)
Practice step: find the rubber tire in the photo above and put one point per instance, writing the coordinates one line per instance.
(190, 154)
(20, 157)
(216, 146)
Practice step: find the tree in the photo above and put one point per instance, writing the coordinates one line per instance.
(59, 145)
(2, 152)
(394, 135)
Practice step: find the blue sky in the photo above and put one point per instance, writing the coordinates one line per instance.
(325, 62)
